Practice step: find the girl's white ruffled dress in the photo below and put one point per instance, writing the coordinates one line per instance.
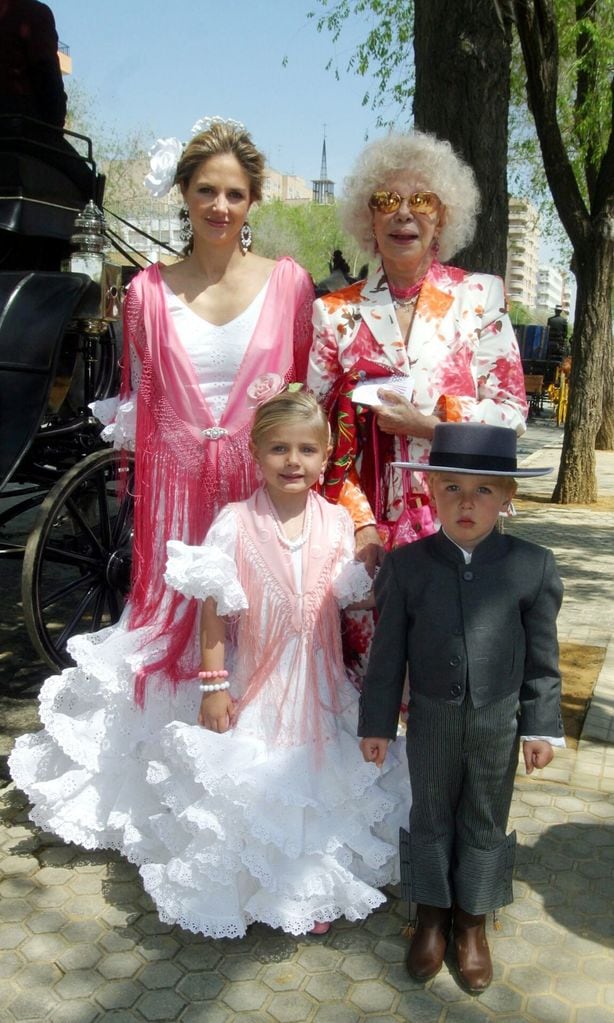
(229, 829)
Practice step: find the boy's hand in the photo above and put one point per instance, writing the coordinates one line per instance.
(216, 711)
(537, 753)
(374, 750)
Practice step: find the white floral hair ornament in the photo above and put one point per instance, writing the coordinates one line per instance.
(163, 158)
(165, 153)
(206, 123)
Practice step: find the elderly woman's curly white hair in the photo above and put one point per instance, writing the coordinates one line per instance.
(432, 165)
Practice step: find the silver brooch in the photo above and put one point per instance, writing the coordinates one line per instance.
(214, 432)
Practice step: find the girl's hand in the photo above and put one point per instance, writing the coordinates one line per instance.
(374, 750)
(397, 415)
(216, 711)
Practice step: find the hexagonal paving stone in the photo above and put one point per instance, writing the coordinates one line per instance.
(420, 1006)
(513, 951)
(547, 1009)
(200, 987)
(83, 931)
(47, 922)
(165, 946)
(78, 984)
(245, 996)
(43, 946)
(328, 987)
(160, 975)
(38, 975)
(12, 936)
(501, 999)
(529, 978)
(15, 865)
(13, 910)
(540, 933)
(10, 964)
(161, 1005)
(577, 990)
(372, 995)
(391, 950)
(31, 1005)
(75, 1012)
(150, 923)
(16, 887)
(205, 1014)
(361, 967)
(599, 968)
(315, 958)
(53, 876)
(284, 976)
(118, 994)
(199, 957)
(119, 964)
(79, 957)
(337, 1014)
(239, 968)
(556, 960)
(290, 1007)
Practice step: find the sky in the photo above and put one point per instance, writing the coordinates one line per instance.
(158, 67)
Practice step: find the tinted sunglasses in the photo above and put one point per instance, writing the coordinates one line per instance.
(419, 202)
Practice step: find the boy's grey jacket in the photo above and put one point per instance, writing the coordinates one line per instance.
(488, 628)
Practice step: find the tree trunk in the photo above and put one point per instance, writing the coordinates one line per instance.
(462, 58)
(605, 433)
(590, 355)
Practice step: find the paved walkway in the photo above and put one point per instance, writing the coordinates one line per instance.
(80, 941)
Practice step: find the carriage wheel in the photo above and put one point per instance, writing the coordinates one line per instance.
(76, 569)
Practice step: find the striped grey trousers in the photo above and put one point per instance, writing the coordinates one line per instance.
(462, 763)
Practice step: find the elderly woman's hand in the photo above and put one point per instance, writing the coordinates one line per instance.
(369, 548)
(397, 415)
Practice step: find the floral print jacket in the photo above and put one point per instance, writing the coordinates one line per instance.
(462, 355)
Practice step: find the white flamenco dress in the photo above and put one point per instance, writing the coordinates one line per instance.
(258, 825)
(85, 771)
(223, 831)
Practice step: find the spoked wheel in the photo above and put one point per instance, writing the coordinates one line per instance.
(76, 568)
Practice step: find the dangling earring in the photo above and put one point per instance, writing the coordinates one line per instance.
(375, 245)
(322, 476)
(185, 231)
(435, 245)
(246, 238)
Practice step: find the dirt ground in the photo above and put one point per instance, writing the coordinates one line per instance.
(580, 667)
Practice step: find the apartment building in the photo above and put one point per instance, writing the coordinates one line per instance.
(522, 252)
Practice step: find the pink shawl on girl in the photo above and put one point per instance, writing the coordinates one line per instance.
(281, 617)
(187, 466)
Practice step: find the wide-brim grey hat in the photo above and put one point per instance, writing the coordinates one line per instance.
(474, 449)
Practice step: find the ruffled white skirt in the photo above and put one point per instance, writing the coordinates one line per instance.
(226, 829)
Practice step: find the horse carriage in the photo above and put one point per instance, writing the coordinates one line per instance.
(66, 509)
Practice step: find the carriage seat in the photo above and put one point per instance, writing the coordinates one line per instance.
(44, 181)
(35, 310)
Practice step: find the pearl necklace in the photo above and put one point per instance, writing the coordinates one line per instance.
(298, 541)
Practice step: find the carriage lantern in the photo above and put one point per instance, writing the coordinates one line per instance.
(101, 304)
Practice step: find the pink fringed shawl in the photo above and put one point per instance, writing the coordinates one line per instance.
(183, 474)
(281, 618)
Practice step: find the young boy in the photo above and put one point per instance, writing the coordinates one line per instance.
(470, 614)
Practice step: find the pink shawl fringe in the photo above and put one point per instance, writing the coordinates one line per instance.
(182, 479)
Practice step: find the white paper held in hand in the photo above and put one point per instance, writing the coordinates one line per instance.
(365, 393)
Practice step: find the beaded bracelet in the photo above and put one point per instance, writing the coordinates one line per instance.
(216, 673)
(214, 688)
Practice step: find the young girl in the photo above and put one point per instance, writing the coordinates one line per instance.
(272, 815)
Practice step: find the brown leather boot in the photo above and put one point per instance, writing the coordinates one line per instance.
(429, 943)
(473, 960)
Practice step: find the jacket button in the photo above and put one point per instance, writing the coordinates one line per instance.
(454, 661)
(468, 576)
(455, 690)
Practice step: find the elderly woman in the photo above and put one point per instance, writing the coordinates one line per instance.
(441, 333)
